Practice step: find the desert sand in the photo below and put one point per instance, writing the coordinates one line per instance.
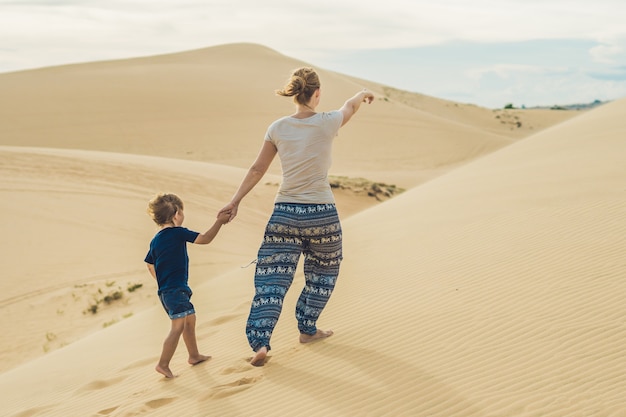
(491, 286)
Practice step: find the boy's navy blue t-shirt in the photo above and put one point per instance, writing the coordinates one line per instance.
(168, 254)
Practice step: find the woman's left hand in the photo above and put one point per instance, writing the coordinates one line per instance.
(230, 208)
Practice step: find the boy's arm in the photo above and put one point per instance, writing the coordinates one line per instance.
(209, 235)
(152, 270)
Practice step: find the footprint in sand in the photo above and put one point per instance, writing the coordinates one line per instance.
(106, 411)
(100, 384)
(159, 402)
(236, 369)
(35, 411)
(234, 387)
(148, 407)
(140, 363)
(241, 367)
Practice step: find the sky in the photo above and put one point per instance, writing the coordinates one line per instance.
(484, 52)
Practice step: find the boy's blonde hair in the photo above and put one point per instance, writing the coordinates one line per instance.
(163, 207)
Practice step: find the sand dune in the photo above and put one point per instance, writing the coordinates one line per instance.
(493, 289)
(79, 231)
(191, 106)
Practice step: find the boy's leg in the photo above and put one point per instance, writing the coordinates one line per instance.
(169, 347)
(322, 257)
(189, 337)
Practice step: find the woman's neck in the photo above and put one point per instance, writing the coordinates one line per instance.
(303, 111)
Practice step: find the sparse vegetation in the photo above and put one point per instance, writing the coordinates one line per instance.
(103, 298)
(361, 186)
(377, 190)
(110, 297)
(109, 323)
(93, 308)
(510, 118)
(576, 106)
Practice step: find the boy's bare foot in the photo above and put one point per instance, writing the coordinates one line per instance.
(259, 358)
(320, 334)
(198, 359)
(165, 370)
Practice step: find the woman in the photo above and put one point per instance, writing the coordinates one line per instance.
(304, 220)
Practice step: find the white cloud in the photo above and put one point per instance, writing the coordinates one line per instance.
(606, 54)
(296, 25)
(36, 33)
(506, 71)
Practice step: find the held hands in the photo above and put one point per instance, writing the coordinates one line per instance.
(228, 213)
(223, 217)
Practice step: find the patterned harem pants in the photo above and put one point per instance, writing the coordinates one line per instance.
(313, 230)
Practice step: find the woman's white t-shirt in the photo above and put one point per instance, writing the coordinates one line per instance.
(304, 147)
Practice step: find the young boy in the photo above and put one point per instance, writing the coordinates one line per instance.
(168, 263)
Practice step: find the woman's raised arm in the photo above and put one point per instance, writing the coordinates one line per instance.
(352, 105)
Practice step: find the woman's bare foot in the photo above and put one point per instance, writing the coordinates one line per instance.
(259, 358)
(165, 370)
(320, 334)
(198, 359)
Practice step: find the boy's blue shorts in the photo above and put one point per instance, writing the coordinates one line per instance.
(177, 303)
